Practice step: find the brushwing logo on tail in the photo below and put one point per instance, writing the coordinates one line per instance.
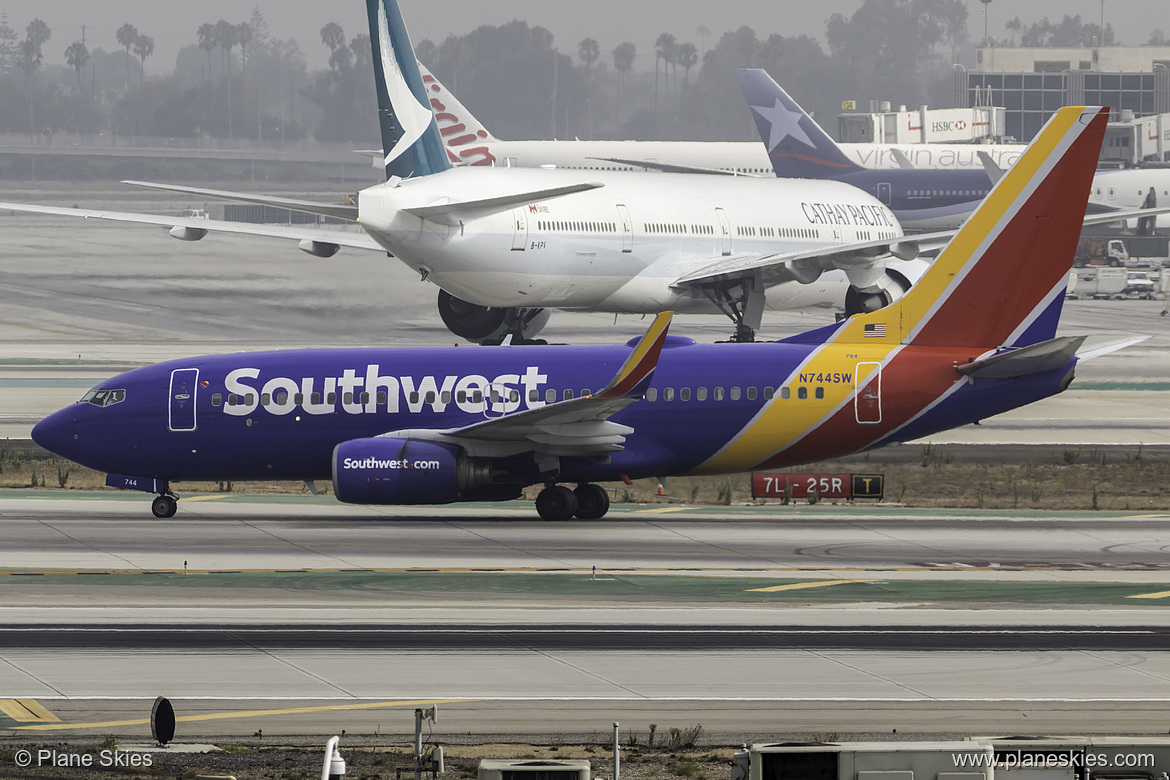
(412, 116)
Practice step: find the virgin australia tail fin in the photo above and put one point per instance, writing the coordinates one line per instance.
(797, 146)
(410, 139)
(464, 136)
(1001, 280)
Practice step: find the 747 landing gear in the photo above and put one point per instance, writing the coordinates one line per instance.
(164, 506)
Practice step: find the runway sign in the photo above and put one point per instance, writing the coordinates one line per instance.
(817, 486)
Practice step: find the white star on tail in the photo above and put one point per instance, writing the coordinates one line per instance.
(784, 123)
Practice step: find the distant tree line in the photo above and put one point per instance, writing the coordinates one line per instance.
(234, 80)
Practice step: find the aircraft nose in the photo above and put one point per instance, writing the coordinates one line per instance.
(57, 433)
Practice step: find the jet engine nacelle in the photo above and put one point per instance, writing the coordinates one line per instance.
(392, 470)
(488, 324)
(887, 288)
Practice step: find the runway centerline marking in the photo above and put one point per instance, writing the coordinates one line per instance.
(242, 714)
(803, 585)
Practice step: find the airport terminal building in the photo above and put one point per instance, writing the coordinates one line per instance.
(1031, 83)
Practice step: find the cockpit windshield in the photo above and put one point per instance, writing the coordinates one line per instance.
(103, 397)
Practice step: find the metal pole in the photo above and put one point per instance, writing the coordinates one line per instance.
(617, 754)
(418, 719)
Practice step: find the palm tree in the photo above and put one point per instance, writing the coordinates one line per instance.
(206, 36)
(623, 61)
(224, 33)
(703, 31)
(75, 57)
(333, 36)
(126, 36)
(688, 57)
(143, 47)
(244, 35)
(589, 52)
(663, 50)
(226, 37)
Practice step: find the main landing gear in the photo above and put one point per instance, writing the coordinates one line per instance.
(742, 300)
(165, 505)
(558, 503)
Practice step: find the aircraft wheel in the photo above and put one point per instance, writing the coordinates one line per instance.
(164, 506)
(556, 503)
(592, 502)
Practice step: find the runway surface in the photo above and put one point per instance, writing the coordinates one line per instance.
(302, 618)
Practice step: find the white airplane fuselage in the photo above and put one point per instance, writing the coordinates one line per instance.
(1128, 188)
(739, 156)
(621, 246)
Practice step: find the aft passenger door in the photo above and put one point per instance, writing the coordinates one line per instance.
(883, 192)
(520, 236)
(724, 232)
(867, 400)
(627, 228)
(184, 385)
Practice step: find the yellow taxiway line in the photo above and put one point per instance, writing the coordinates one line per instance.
(240, 714)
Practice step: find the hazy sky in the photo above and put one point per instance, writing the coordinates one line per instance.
(173, 23)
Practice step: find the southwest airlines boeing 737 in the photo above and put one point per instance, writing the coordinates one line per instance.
(973, 338)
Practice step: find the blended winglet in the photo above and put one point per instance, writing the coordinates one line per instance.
(634, 377)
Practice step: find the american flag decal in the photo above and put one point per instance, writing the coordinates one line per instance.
(875, 331)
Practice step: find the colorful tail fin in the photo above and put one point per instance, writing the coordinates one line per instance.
(463, 135)
(1001, 280)
(410, 138)
(797, 146)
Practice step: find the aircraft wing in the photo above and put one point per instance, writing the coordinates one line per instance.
(858, 258)
(1102, 217)
(580, 426)
(193, 228)
(324, 209)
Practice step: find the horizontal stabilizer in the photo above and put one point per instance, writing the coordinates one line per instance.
(674, 167)
(1045, 356)
(1104, 348)
(307, 206)
(451, 213)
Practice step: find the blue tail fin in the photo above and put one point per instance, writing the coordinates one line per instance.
(410, 138)
(797, 146)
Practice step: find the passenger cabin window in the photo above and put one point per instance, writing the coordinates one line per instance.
(820, 392)
(216, 399)
(652, 394)
(668, 394)
(104, 397)
(802, 393)
(785, 393)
